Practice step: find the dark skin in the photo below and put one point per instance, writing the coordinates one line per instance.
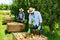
(29, 25)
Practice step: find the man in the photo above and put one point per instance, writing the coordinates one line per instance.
(35, 19)
(21, 16)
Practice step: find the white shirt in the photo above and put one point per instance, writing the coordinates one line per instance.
(36, 17)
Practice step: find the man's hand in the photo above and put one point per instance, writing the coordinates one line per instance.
(29, 29)
(39, 27)
(29, 25)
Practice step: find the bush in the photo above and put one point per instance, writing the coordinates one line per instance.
(46, 29)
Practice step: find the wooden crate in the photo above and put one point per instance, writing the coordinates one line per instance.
(23, 36)
(8, 20)
(18, 36)
(15, 27)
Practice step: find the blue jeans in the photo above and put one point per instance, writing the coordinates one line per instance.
(35, 27)
(20, 19)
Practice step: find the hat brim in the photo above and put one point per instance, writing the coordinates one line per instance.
(21, 10)
(30, 12)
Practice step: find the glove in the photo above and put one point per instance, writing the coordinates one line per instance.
(39, 27)
(29, 30)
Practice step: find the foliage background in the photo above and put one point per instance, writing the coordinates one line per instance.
(49, 9)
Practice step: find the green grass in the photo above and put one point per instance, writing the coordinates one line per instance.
(4, 36)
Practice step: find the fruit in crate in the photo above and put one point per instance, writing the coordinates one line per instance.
(23, 36)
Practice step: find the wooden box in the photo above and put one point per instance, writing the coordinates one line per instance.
(19, 36)
(24, 36)
(15, 27)
(8, 20)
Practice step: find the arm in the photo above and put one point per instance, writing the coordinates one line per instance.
(29, 24)
(29, 21)
(40, 19)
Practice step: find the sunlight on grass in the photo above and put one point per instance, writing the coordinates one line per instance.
(3, 36)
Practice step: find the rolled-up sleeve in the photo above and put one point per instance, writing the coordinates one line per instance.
(40, 18)
(29, 19)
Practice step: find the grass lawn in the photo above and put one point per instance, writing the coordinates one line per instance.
(4, 36)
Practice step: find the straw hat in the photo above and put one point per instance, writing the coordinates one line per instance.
(21, 9)
(31, 10)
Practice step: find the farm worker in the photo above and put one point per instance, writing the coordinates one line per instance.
(35, 19)
(21, 15)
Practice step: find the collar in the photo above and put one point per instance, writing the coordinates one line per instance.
(32, 13)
